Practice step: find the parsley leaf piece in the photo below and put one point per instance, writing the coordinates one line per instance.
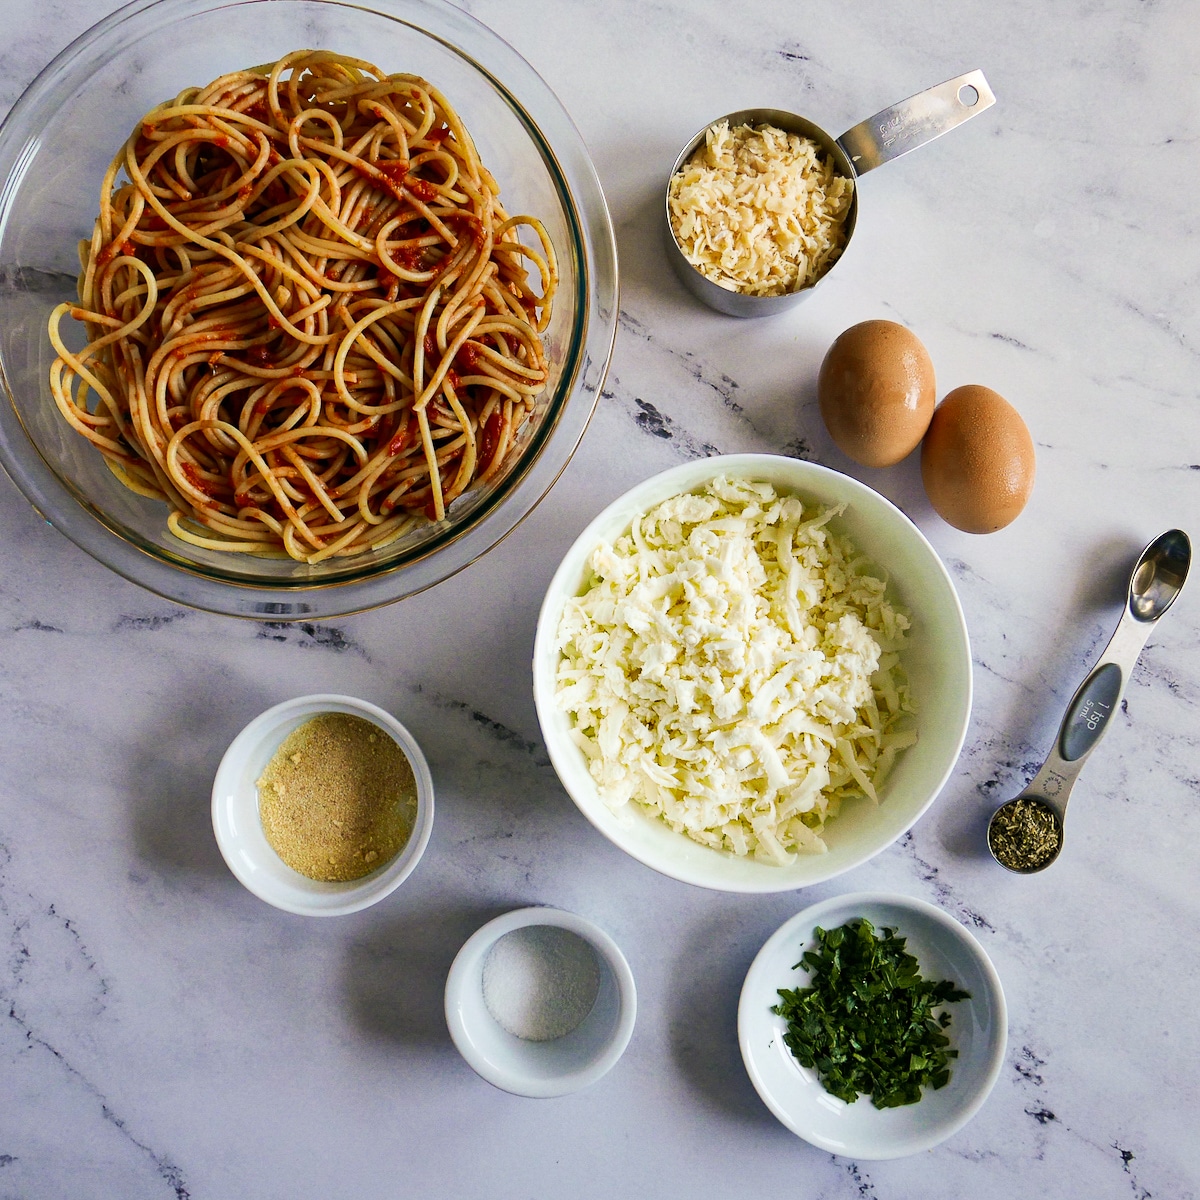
(866, 1021)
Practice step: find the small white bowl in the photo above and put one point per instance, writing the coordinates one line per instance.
(238, 826)
(978, 1030)
(550, 1068)
(937, 658)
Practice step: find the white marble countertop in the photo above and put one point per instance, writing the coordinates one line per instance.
(163, 1033)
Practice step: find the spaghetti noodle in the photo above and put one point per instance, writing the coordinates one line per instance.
(311, 324)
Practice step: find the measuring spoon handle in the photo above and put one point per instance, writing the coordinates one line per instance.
(1090, 713)
(913, 122)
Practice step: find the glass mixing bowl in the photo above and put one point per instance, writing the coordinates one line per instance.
(54, 148)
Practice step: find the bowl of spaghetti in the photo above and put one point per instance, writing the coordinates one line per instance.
(295, 337)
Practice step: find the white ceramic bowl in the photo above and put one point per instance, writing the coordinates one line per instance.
(937, 658)
(978, 1030)
(239, 831)
(549, 1068)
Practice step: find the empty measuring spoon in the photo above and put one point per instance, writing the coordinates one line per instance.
(1026, 834)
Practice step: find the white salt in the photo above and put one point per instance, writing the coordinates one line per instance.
(540, 982)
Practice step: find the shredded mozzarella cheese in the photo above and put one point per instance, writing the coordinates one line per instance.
(729, 668)
(759, 211)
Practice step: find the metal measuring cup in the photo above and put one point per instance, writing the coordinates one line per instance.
(869, 144)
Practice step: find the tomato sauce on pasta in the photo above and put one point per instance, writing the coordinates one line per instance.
(311, 323)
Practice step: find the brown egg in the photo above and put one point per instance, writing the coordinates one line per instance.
(977, 461)
(876, 390)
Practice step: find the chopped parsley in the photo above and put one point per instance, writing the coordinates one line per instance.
(866, 1021)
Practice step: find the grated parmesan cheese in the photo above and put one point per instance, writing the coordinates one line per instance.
(729, 668)
(759, 211)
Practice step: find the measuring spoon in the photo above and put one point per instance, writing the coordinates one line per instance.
(1157, 579)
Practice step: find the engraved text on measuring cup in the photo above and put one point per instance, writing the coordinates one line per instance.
(894, 130)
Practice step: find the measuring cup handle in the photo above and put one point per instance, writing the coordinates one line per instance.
(915, 121)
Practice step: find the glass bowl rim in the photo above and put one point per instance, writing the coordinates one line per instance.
(347, 588)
